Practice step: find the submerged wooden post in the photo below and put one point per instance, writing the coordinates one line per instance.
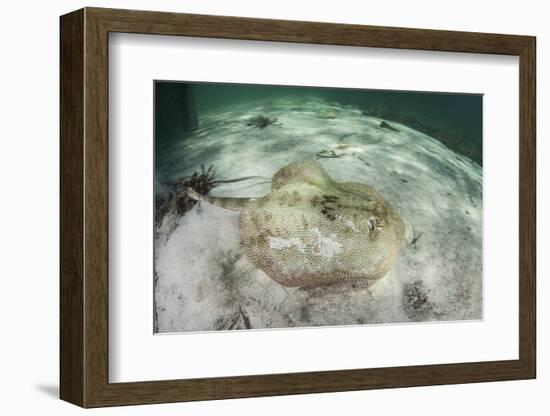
(175, 112)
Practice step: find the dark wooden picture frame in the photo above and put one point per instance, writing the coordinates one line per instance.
(84, 207)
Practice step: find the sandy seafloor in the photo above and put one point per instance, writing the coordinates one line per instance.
(204, 280)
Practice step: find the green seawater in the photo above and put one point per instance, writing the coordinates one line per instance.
(455, 119)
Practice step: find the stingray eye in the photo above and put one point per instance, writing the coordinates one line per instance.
(374, 223)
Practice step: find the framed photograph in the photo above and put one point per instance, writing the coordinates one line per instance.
(256, 207)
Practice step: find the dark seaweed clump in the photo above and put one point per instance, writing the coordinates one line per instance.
(260, 121)
(177, 200)
(416, 302)
(416, 236)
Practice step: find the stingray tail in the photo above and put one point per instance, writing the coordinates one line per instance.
(233, 204)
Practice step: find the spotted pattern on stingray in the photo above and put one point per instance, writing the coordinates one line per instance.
(312, 230)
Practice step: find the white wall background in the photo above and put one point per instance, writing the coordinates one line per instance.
(29, 207)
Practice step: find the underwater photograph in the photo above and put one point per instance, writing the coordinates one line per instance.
(292, 207)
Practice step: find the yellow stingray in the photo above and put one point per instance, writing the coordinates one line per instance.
(312, 230)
